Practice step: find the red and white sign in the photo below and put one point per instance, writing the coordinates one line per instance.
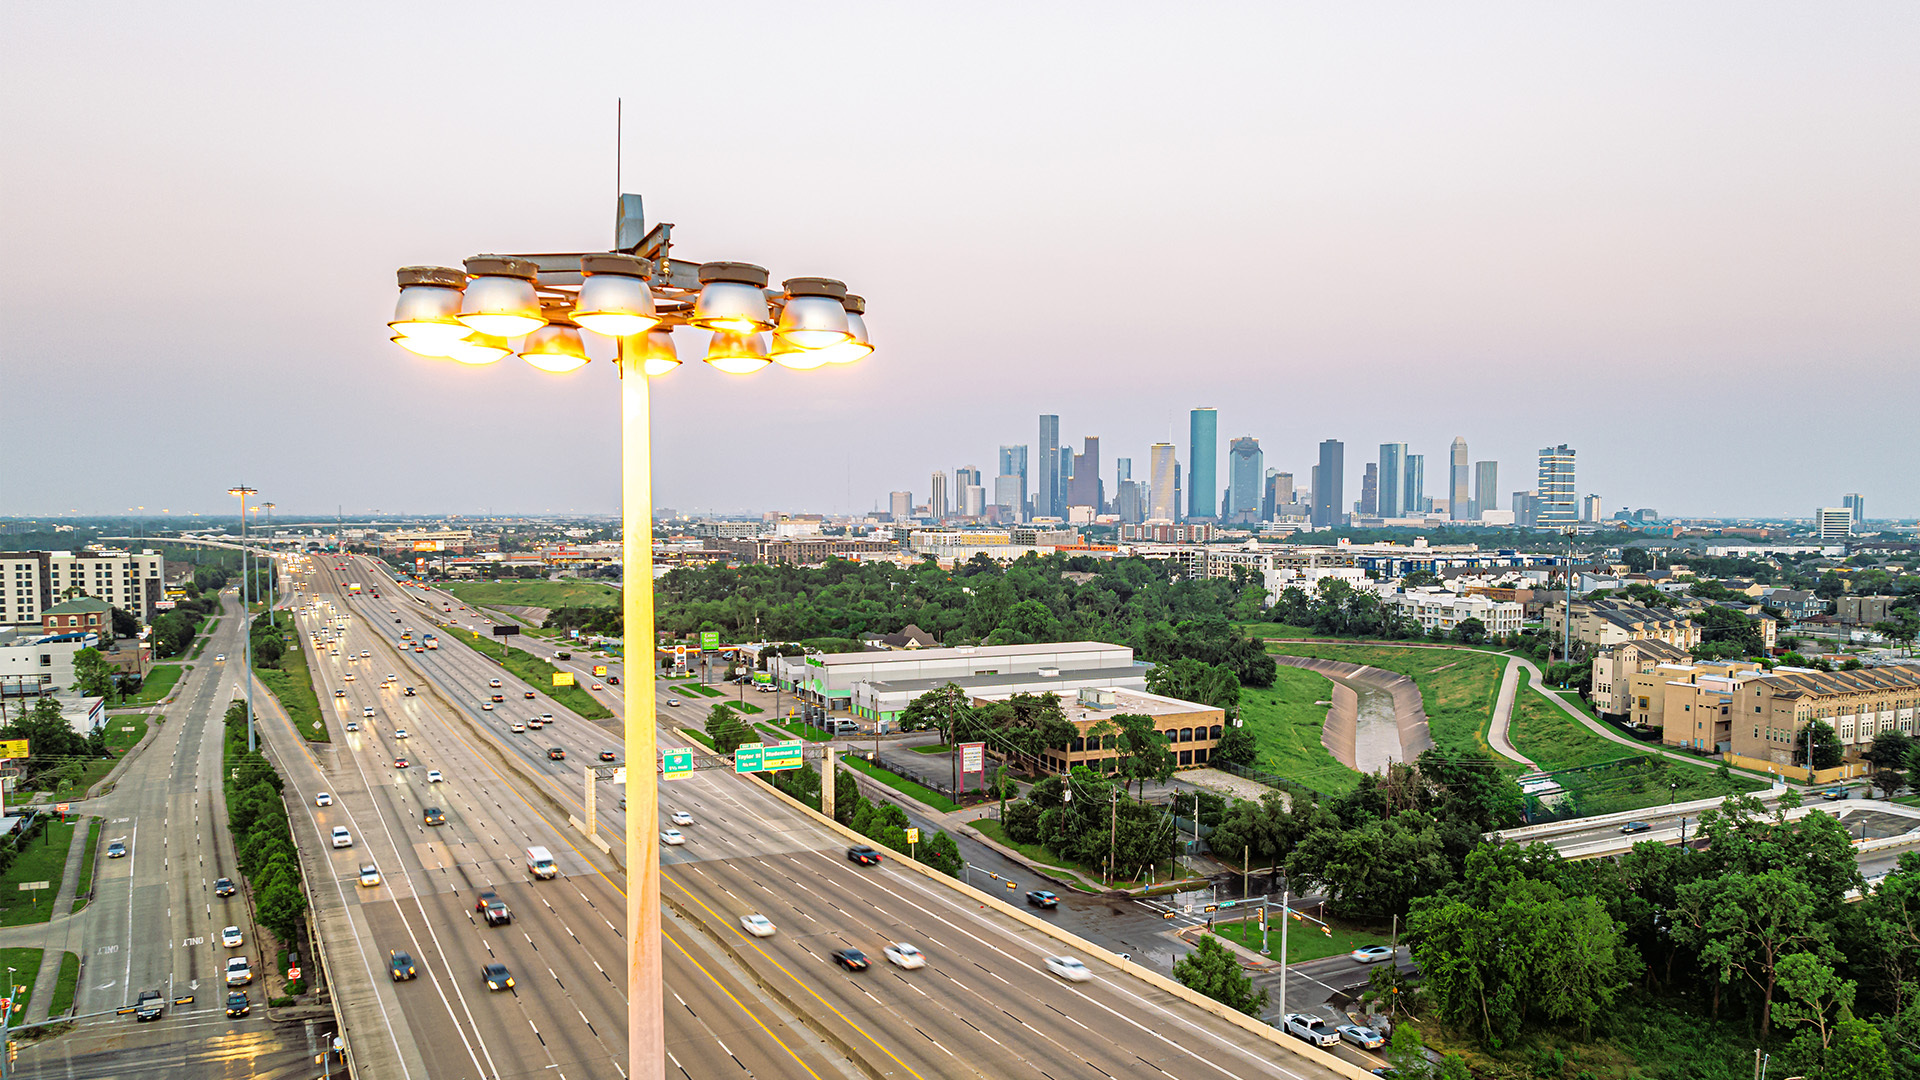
(973, 757)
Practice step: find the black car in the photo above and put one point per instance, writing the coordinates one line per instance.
(606, 755)
(433, 815)
(497, 977)
(1635, 827)
(223, 887)
(864, 855)
(851, 959)
(1041, 898)
(150, 1005)
(410, 691)
(400, 965)
(238, 1003)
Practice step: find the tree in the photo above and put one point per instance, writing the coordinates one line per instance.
(1196, 680)
(1236, 747)
(1211, 969)
(124, 624)
(1143, 750)
(93, 676)
(1021, 821)
(1859, 1052)
(1819, 739)
(1814, 996)
(942, 853)
(1743, 925)
(726, 729)
(1470, 631)
(944, 709)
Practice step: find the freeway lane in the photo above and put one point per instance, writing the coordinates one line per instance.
(566, 1014)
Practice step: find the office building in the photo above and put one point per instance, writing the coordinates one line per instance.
(1834, 522)
(1123, 468)
(1009, 495)
(1858, 504)
(973, 499)
(1413, 494)
(900, 505)
(1246, 469)
(1329, 489)
(1390, 498)
(1190, 729)
(937, 497)
(1066, 477)
(1163, 483)
(1013, 462)
(1130, 502)
(1047, 494)
(1526, 509)
(1558, 506)
(1279, 494)
(964, 477)
(1458, 473)
(1590, 509)
(1084, 489)
(1369, 504)
(1486, 487)
(1203, 448)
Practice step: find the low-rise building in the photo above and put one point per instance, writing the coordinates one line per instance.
(1615, 664)
(1863, 610)
(1609, 622)
(1440, 610)
(1192, 730)
(878, 684)
(1771, 713)
(1795, 604)
(33, 664)
(802, 552)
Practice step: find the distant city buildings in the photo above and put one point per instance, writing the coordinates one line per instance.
(1833, 522)
(1047, 495)
(1203, 445)
(1246, 469)
(1413, 494)
(1390, 500)
(1369, 504)
(900, 505)
(1486, 488)
(1858, 505)
(1329, 496)
(1163, 483)
(1013, 465)
(1458, 473)
(937, 497)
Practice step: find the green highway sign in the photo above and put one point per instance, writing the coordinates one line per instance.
(747, 758)
(676, 764)
(781, 756)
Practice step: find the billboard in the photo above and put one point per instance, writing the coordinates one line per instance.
(973, 757)
(563, 678)
(426, 545)
(13, 748)
(709, 640)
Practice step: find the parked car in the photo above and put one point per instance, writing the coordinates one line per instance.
(1372, 954)
(1041, 898)
(1361, 1036)
(1068, 968)
(1311, 1028)
(863, 855)
(851, 959)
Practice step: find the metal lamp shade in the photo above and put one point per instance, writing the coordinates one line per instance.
(429, 313)
(614, 299)
(655, 351)
(500, 299)
(732, 299)
(555, 348)
(815, 315)
(737, 354)
(477, 349)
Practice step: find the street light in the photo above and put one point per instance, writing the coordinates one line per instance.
(636, 295)
(246, 607)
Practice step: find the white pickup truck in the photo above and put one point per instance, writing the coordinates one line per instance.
(1311, 1028)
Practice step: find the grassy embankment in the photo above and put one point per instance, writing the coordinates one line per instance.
(538, 673)
(292, 685)
(918, 792)
(1087, 877)
(43, 858)
(1305, 941)
(26, 965)
(159, 683)
(1457, 687)
(1286, 720)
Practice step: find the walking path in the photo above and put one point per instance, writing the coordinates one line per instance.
(1503, 715)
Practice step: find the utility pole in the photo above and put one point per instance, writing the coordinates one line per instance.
(1113, 833)
(1286, 898)
(1246, 859)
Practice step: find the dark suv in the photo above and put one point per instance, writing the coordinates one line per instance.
(1041, 898)
(150, 1005)
(400, 965)
(223, 887)
(863, 855)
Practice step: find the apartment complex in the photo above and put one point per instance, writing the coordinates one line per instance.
(1614, 666)
(33, 581)
(1610, 622)
(1770, 713)
(804, 552)
(1442, 610)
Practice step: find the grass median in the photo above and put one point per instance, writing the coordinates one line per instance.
(65, 984)
(571, 592)
(292, 685)
(918, 792)
(41, 859)
(538, 673)
(84, 887)
(124, 732)
(26, 970)
(1305, 941)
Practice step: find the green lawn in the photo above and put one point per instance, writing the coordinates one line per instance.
(1044, 856)
(918, 792)
(936, 748)
(1286, 725)
(92, 856)
(538, 673)
(804, 731)
(43, 859)
(1457, 687)
(1305, 941)
(1554, 740)
(698, 736)
(569, 592)
(26, 965)
(64, 984)
(292, 685)
(158, 684)
(747, 707)
(699, 688)
(124, 731)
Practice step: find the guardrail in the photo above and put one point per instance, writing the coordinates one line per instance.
(1573, 825)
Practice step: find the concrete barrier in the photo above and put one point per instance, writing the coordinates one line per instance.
(1555, 828)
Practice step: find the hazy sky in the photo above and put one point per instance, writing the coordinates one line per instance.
(1680, 237)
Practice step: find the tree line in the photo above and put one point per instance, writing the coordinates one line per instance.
(262, 836)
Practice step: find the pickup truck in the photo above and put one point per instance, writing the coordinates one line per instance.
(1311, 1028)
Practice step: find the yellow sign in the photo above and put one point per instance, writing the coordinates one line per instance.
(563, 678)
(913, 836)
(13, 748)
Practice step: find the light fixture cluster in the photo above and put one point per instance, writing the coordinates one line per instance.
(474, 315)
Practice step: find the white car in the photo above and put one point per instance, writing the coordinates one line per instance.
(486, 706)
(220, 658)
(494, 683)
(673, 837)
(392, 677)
(323, 799)
(231, 937)
(341, 837)
(365, 655)
(1372, 954)
(546, 718)
(516, 727)
(757, 925)
(369, 875)
(680, 817)
(348, 677)
(353, 725)
(401, 733)
(434, 777)
(367, 711)
(673, 703)
(904, 955)
(239, 971)
(1068, 968)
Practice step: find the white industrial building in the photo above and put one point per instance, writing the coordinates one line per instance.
(878, 685)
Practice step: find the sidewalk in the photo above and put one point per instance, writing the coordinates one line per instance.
(1503, 715)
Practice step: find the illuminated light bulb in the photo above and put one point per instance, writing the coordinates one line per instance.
(787, 354)
(479, 349)
(500, 299)
(815, 313)
(555, 348)
(429, 305)
(654, 349)
(856, 348)
(737, 354)
(614, 299)
(427, 347)
(732, 299)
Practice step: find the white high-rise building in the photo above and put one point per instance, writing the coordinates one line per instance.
(937, 497)
(1163, 483)
(1834, 522)
(32, 581)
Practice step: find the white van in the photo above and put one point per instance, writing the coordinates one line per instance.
(540, 863)
(341, 837)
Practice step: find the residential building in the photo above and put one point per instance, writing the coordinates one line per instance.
(1486, 487)
(1413, 491)
(1163, 483)
(808, 552)
(1615, 664)
(32, 581)
(1369, 504)
(1609, 622)
(1856, 503)
(1558, 505)
(1833, 522)
(1770, 713)
(1863, 610)
(1437, 609)
(1329, 489)
(1049, 498)
(81, 615)
(1191, 729)
(1690, 704)
(1084, 488)
(1390, 502)
(1152, 532)
(900, 505)
(1795, 604)
(729, 530)
(1203, 448)
(937, 497)
(1246, 467)
(33, 663)
(1013, 462)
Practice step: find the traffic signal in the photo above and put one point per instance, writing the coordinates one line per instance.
(13, 1051)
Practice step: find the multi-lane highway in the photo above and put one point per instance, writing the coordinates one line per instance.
(984, 1004)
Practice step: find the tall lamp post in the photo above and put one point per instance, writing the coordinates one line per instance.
(246, 606)
(636, 295)
(271, 598)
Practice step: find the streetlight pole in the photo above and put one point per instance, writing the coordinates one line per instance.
(636, 295)
(246, 608)
(268, 507)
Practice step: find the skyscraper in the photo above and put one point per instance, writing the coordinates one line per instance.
(1013, 462)
(1246, 468)
(1391, 501)
(973, 499)
(1858, 504)
(1457, 497)
(1486, 487)
(964, 477)
(1203, 445)
(1164, 483)
(1558, 505)
(1009, 496)
(1084, 489)
(937, 497)
(900, 503)
(1046, 485)
(1413, 494)
(1123, 468)
(1278, 494)
(1329, 489)
(1370, 491)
